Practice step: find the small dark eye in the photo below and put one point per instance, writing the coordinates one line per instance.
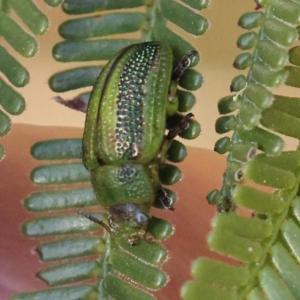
(142, 218)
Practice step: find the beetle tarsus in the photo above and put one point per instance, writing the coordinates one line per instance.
(165, 200)
(94, 219)
(184, 64)
(180, 127)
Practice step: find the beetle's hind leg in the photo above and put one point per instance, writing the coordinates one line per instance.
(94, 219)
(181, 126)
(184, 64)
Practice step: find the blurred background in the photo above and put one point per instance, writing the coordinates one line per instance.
(217, 48)
(202, 170)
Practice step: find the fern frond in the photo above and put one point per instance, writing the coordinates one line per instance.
(268, 262)
(111, 275)
(22, 42)
(85, 37)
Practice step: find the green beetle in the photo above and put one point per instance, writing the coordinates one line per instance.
(124, 138)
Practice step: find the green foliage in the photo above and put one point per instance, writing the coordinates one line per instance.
(78, 45)
(267, 244)
(115, 254)
(22, 42)
(108, 267)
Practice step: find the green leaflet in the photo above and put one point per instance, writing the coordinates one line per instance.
(84, 28)
(77, 7)
(69, 293)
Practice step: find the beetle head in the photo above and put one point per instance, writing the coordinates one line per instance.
(129, 221)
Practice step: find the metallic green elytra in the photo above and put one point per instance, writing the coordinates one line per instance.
(124, 140)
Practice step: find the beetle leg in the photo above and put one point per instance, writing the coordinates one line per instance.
(161, 195)
(79, 103)
(149, 237)
(183, 64)
(134, 239)
(180, 127)
(165, 199)
(94, 219)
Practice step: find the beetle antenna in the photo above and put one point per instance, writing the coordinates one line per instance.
(94, 219)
